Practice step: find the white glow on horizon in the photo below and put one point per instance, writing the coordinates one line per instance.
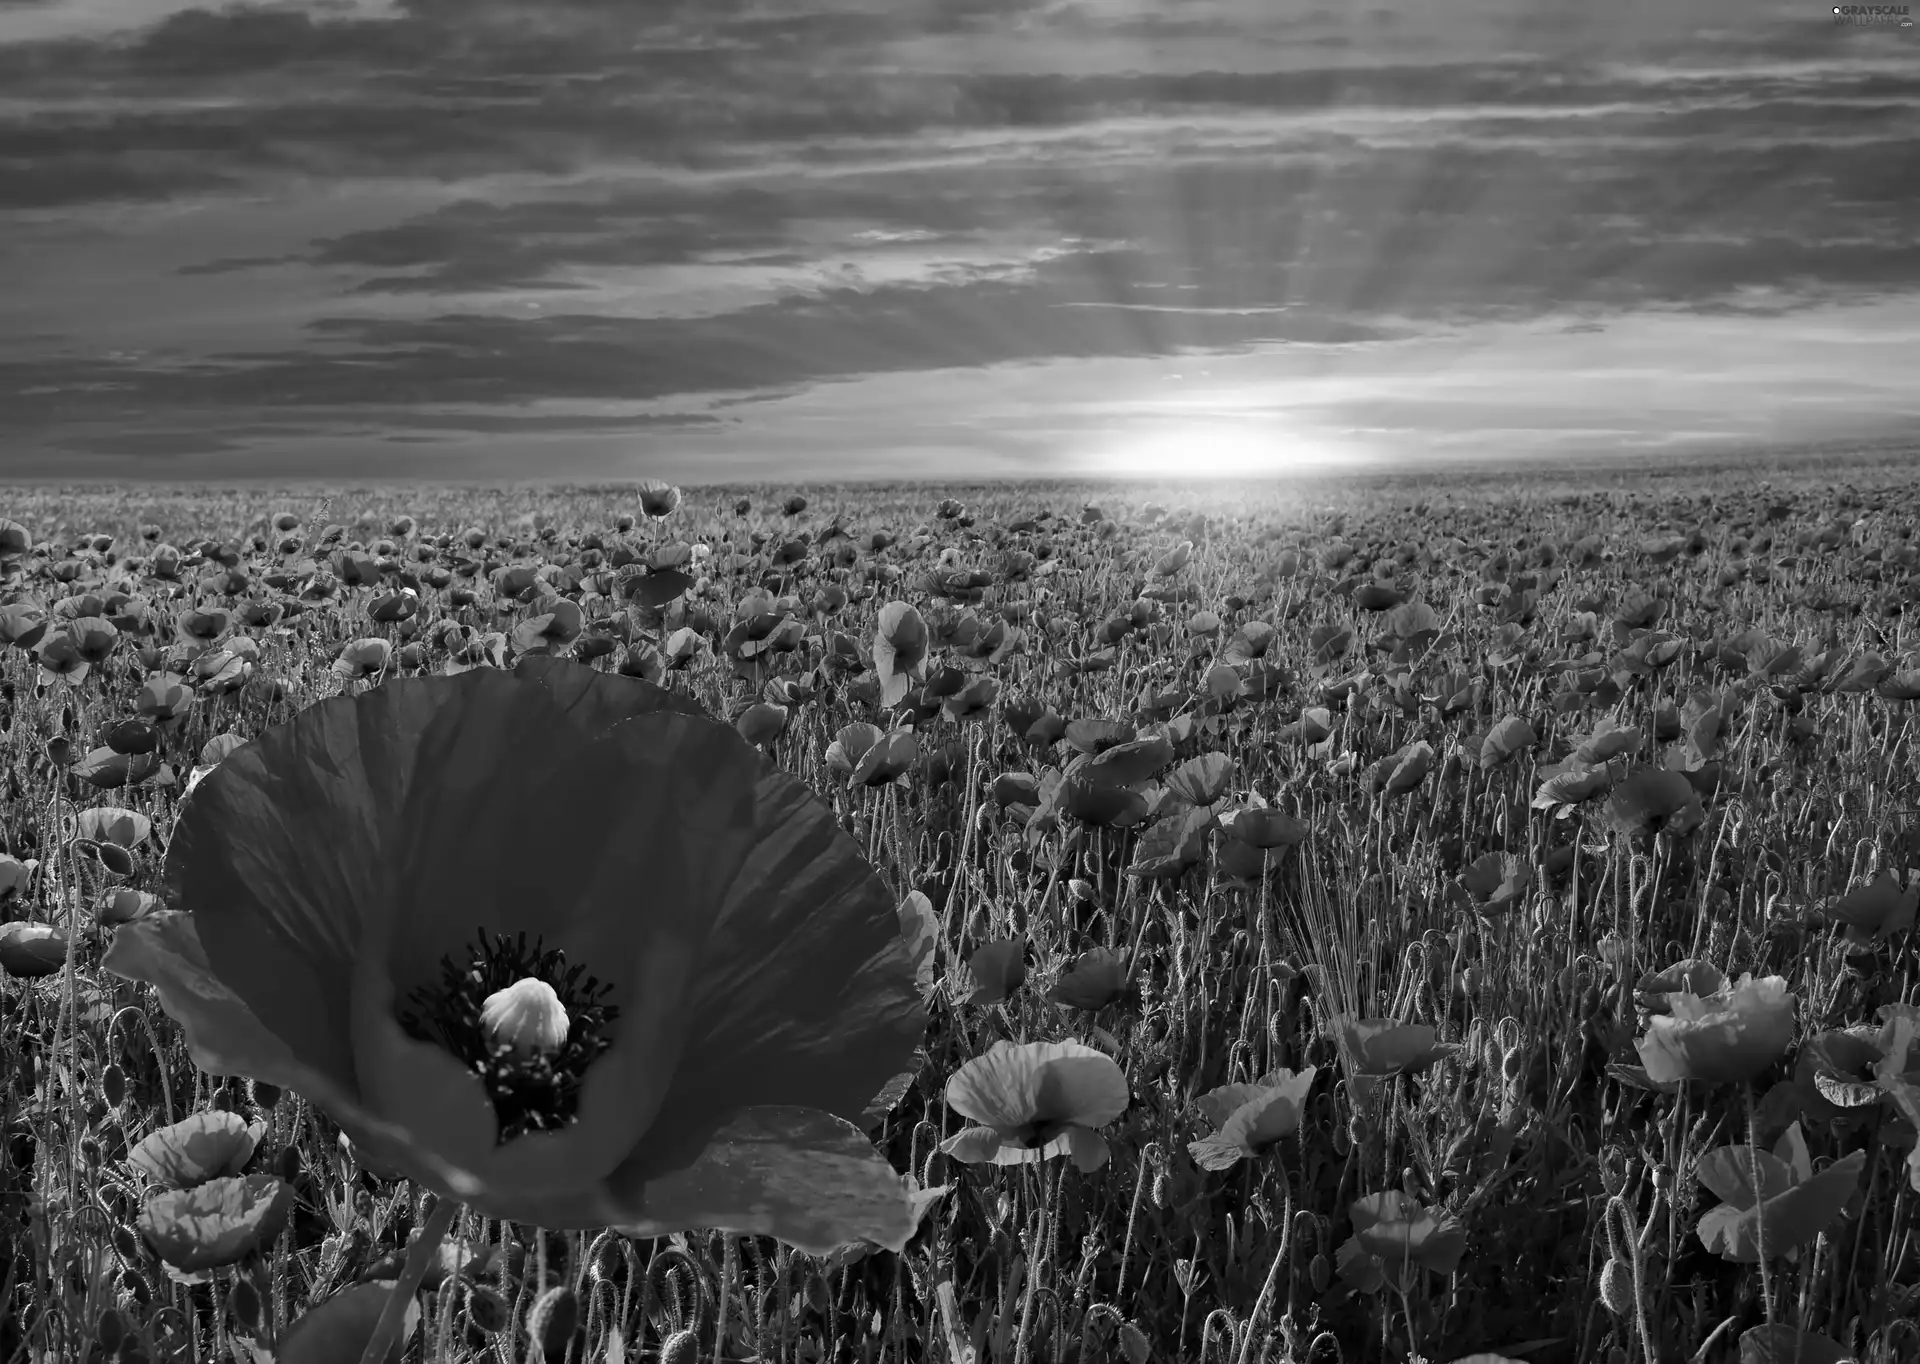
(1202, 449)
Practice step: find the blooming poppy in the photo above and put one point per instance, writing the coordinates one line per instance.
(1382, 1046)
(1772, 1202)
(900, 644)
(1032, 1101)
(1249, 1118)
(1732, 1034)
(1654, 991)
(674, 1026)
(1494, 883)
(658, 499)
(1656, 800)
(1097, 978)
(1877, 910)
(1391, 1235)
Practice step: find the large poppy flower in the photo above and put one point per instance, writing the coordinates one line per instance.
(549, 943)
(1032, 1101)
(1732, 1034)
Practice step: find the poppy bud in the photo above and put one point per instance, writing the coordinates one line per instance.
(110, 1329)
(486, 1309)
(127, 1245)
(527, 1016)
(1616, 1287)
(552, 1320)
(682, 1347)
(1320, 1271)
(246, 1305)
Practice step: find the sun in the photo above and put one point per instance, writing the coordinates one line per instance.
(1203, 450)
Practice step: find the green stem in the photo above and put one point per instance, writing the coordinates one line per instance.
(425, 1246)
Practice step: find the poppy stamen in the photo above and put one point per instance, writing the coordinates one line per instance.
(523, 1021)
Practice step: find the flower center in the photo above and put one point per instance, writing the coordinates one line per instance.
(1038, 1133)
(521, 1020)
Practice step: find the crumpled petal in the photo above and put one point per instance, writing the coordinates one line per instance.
(805, 1177)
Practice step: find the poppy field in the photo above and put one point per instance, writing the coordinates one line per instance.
(1438, 919)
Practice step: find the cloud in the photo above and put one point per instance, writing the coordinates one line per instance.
(462, 220)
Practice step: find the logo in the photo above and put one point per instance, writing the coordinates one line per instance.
(1874, 16)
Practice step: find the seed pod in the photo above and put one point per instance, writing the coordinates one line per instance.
(551, 1322)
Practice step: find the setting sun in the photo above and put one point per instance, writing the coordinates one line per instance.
(1208, 449)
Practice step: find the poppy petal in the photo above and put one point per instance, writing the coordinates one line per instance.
(805, 993)
(663, 802)
(223, 1035)
(502, 769)
(805, 1177)
(225, 1038)
(1087, 1147)
(972, 1145)
(1015, 1085)
(255, 856)
(598, 701)
(1263, 1121)
(832, 917)
(1217, 1105)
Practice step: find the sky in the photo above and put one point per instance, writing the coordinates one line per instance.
(715, 240)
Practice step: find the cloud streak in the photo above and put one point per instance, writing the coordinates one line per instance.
(598, 237)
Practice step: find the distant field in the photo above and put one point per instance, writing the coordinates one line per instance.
(1405, 843)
